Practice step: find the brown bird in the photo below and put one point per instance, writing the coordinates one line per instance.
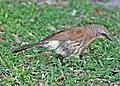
(70, 41)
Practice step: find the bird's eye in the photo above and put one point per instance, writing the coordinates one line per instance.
(104, 34)
(46, 42)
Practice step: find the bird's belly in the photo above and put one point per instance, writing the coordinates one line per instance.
(61, 51)
(74, 47)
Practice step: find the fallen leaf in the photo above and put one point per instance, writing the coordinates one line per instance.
(1, 31)
(60, 78)
(2, 39)
(98, 11)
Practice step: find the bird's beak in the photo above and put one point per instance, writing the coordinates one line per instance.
(107, 36)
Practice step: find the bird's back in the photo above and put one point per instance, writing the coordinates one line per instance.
(68, 34)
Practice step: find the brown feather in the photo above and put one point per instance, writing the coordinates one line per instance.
(69, 34)
(64, 35)
(73, 40)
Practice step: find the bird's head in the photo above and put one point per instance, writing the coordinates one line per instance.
(101, 31)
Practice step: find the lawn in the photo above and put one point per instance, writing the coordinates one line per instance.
(26, 22)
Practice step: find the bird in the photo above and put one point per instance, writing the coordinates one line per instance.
(72, 41)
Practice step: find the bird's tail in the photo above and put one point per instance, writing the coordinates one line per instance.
(26, 46)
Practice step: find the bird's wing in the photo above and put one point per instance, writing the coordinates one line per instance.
(74, 46)
(69, 34)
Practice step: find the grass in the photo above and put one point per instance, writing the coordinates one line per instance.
(30, 69)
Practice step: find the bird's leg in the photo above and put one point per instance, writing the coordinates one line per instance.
(58, 56)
